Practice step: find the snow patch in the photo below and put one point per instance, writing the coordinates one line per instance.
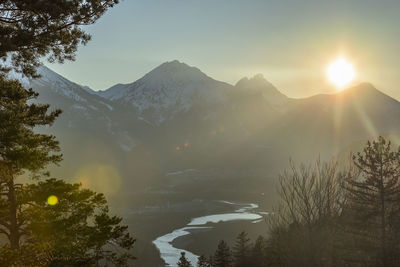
(180, 172)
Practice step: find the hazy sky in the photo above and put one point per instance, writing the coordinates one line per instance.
(289, 41)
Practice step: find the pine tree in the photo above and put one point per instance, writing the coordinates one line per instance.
(31, 30)
(183, 262)
(210, 261)
(241, 250)
(21, 149)
(374, 203)
(258, 252)
(222, 256)
(203, 262)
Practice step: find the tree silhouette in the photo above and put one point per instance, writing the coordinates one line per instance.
(78, 228)
(303, 228)
(21, 149)
(374, 202)
(31, 30)
(183, 262)
(222, 256)
(241, 250)
(258, 252)
(203, 262)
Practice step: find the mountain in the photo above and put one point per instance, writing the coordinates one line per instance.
(259, 85)
(167, 90)
(324, 125)
(91, 129)
(82, 111)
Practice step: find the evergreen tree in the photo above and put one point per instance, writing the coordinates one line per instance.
(210, 261)
(374, 203)
(183, 262)
(222, 256)
(21, 149)
(258, 252)
(73, 228)
(77, 228)
(30, 30)
(203, 262)
(241, 250)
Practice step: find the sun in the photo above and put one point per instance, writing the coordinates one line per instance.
(341, 73)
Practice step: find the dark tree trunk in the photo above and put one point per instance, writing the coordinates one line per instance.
(14, 231)
(383, 219)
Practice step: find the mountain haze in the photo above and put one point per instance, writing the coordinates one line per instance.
(176, 117)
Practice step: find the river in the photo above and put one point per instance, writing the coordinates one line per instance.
(171, 255)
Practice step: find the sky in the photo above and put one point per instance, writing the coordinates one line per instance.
(290, 42)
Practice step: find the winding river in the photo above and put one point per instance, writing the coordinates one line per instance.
(171, 255)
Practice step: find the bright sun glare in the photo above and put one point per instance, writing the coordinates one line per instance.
(341, 73)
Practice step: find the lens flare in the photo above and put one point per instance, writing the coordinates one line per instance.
(102, 178)
(52, 200)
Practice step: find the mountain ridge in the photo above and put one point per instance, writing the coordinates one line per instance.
(207, 131)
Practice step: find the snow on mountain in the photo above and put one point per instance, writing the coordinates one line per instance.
(48, 79)
(59, 84)
(50, 82)
(169, 89)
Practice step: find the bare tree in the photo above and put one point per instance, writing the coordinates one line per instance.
(303, 226)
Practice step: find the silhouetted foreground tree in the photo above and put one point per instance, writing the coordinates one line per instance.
(223, 255)
(30, 30)
(258, 253)
(245, 253)
(203, 262)
(373, 208)
(241, 250)
(78, 231)
(183, 262)
(21, 149)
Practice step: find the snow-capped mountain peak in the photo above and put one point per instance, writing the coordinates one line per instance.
(171, 88)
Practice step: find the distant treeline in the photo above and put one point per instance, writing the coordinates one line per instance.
(328, 217)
